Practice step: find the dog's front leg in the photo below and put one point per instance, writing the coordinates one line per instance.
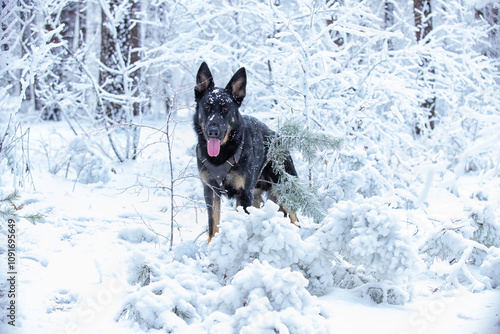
(212, 200)
(245, 200)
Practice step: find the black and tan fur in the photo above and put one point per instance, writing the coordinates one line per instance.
(238, 167)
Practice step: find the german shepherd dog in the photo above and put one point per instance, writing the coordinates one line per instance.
(232, 148)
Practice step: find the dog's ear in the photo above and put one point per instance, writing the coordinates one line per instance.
(237, 85)
(204, 81)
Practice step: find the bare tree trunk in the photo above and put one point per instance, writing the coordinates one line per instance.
(423, 22)
(134, 45)
(389, 20)
(119, 44)
(110, 82)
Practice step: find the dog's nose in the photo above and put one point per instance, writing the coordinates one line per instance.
(213, 131)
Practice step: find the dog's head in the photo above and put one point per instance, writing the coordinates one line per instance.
(217, 114)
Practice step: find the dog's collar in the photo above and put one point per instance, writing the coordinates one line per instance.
(219, 172)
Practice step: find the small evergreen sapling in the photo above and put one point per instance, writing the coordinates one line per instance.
(295, 194)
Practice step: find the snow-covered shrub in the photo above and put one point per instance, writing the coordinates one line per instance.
(171, 298)
(486, 227)
(136, 235)
(264, 299)
(446, 243)
(161, 305)
(456, 249)
(79, 156)
(348, 276)
(367, 233)
(14, 157)
(361, 171)
(384, 293)
(491, 267)
(89, 166)
(451, 254)
(266, 235)
(342, 187)
(376, 171)
(364, 239)
(258, 297)
(361, 281)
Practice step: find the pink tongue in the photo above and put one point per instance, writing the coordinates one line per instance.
(213, 147)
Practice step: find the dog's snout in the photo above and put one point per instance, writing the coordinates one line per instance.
(213, 131)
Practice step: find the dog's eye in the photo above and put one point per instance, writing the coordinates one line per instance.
(206, 107)
(225, 108)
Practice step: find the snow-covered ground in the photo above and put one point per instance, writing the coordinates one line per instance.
(100, 263)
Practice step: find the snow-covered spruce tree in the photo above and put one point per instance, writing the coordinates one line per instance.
(262, 298)
(360, 245)
(265, 235)
(170, 301)
(368, 235)
(293, 193)
(269, 237)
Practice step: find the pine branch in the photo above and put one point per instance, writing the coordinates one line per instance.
(8, 212)
(34, 218)
(291, 192)
(295, 195)
(294, 136)
(9, 209)
(9, 199)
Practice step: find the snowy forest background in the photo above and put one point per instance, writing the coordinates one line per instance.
(412, 88)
